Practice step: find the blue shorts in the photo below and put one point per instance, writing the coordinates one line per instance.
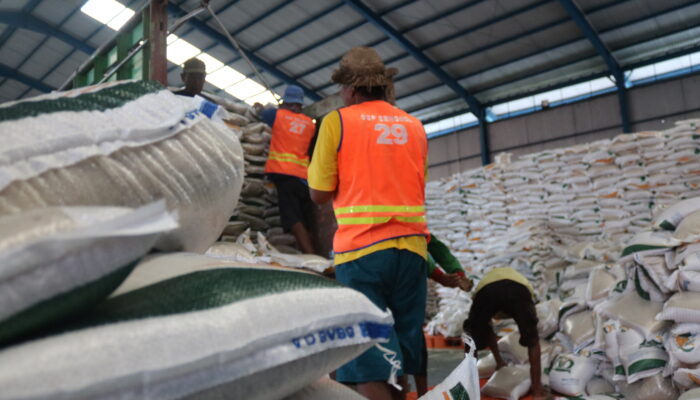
(393, 279)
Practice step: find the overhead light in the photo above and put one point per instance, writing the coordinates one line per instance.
(180, 51)
(245, 89)
(109, 12)
(224, 77)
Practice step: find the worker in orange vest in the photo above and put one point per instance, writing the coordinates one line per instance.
(292, 133)
(370, 159)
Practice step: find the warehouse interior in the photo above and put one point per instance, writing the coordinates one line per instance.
(157, 229)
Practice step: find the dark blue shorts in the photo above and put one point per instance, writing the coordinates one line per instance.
(393, 279)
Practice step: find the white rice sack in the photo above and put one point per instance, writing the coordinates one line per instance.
(599, 385)
(693, 394)
(656, 267)
(486, 365)
(600, 282)
(648, 240)
(325, 389)
(580, 329)
(57, 262)
(653, 388)
(688, 280)
(641, 357)
(634, 312)
(548, 318)
(230, 251)
(510, 383)
(304, 327)
(672, 216)
(645, 286)
(570, 373)
(122, 144)
(681, 307)
(511, 349)
(688, 231)
(461, 383)
(682, 343)
(612, 349)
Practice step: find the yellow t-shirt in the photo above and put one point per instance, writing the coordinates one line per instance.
(502, 273)
(323, 175)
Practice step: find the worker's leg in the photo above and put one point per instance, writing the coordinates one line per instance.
(407, 304)
(421, 379)
(303, 238)
(370, 371)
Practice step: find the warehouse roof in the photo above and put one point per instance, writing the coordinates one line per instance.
(453, 55)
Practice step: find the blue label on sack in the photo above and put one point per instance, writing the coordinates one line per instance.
(208, 108)
(371, 330)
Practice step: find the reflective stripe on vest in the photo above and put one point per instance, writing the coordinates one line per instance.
(291, 135)
(381, 176)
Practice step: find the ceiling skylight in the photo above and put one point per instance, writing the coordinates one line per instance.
(245, 89)
(211, 63)
(180, 51)
(224, 77)
(109, 12)
(262, 98)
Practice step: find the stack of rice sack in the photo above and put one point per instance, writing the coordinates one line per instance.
(257, 208)
(91, 181)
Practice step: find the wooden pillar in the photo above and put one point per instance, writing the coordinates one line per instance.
(157, 41)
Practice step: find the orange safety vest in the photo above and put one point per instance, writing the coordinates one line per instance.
(291, 135)
(381, 176)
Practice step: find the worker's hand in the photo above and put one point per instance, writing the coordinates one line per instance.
(465, 283)
(449, 280)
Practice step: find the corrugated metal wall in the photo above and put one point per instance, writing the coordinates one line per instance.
(652, 107)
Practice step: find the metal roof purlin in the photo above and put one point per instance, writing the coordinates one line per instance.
(452, 36)
(24, 20)
(216, 35)
(474, 105)
(591, 34)
(10, 73)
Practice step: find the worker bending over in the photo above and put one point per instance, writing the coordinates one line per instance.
(504, 290)
(287, 165)
(370, 159)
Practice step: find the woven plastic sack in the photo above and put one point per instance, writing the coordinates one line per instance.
(570, 373)
(693, 394)
(580, 329)
(648, 240)
(682, 307)
(612, 349)
(486, 365)
(325, 389)
(600, 282)
(56, 262)
(548, 318)
(683, 343)
(123, 144)
(230, 251)
(672, 216)
(634, 312)
(510, 383)
(653, 388)
(461, 383)
(640, 357)
(304, 327)
(688, 231)
(599, 385)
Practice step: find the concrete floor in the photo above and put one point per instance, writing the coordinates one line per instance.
(440, 363)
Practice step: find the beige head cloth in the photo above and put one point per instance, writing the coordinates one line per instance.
(362, 67)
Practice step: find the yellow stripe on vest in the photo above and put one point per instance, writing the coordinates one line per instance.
(378, 220)
(303, 163)
(363, 209)
(289, 155)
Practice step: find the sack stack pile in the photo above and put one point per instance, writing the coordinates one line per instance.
(257, 208)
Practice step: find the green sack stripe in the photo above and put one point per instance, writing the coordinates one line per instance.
(667, 226)
(640, 247)
(196, 291)
(644, 365)
(458, 392)
(105, 99)
(28, 324)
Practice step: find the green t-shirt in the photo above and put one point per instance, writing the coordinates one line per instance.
(439, 254)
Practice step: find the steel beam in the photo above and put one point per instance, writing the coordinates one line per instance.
(18, 19)
(219, 37)
(577, 15)
(391, 32)
(10, 73)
